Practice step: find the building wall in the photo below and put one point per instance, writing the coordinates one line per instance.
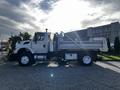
(108, 31)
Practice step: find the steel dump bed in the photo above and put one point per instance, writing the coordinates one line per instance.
(95, 45)
(80, 45)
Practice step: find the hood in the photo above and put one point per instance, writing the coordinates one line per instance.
(23, 43)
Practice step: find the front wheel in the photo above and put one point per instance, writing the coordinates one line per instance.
(87, 60)
(26, 59)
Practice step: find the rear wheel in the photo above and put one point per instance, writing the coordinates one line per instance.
(87, 60)
(26, 59)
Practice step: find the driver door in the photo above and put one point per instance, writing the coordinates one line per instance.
(41, 44)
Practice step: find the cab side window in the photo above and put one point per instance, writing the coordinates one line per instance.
(39, 37)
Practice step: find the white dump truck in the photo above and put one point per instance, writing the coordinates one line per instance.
(43, 48)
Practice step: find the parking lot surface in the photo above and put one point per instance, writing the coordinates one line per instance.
(44, 76)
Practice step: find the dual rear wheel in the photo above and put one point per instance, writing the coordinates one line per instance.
(86, 60)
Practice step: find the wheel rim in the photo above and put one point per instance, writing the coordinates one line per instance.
(24, 60)
(86, 59)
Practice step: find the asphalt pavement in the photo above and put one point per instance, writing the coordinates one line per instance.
(51, 76)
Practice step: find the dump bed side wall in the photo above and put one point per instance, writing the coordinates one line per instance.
(78, 45)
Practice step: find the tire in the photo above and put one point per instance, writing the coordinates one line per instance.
(87, 60)
(26, 59)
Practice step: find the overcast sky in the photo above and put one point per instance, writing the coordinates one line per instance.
(56, 15)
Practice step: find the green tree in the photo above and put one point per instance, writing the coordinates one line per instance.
(117, 45)
(25, 36)
(108, 44)
(13, 40)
